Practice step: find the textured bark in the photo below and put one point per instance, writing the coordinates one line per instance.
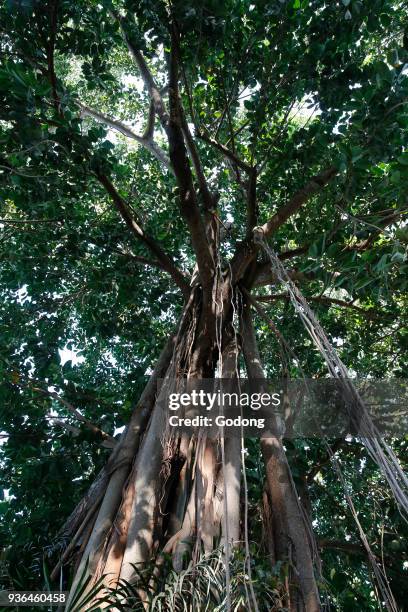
(205, 475)
(118, 469)
(231, 477)
(179, 492)
(131, 524)
(231, 470)
(112, 560)
(145, 504)
(291, 540)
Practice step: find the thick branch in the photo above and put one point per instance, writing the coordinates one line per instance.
(392, 560)
(50, 55)
(178, 156)
(346, 547)
(142, 260)
(297, 200)
(252, 208)
(292, 253)
(265, 276)
(208, 199)
(247, 251)
(149, 131)
(162, 257)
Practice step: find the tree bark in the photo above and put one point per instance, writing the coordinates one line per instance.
(292, 543)
(117, 470)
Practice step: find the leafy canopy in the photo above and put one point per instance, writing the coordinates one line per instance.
(293, 87)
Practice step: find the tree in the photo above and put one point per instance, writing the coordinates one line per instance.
(145, 147)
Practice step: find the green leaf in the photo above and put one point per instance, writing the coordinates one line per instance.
(403, 159)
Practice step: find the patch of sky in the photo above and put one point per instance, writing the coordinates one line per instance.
(71, 354)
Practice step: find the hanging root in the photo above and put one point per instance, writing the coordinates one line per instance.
(376, 446)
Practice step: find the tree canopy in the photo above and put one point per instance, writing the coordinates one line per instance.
(294, 115)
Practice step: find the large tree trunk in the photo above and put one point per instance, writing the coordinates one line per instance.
(175, 494)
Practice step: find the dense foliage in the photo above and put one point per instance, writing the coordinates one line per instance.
(291, 87)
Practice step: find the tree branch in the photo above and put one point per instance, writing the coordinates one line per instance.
(50, 55)
(322, 299)
(252, 208)
(178, 156)
(264, 315)
(72, 410)
(108, 442)
(149, 82)
(247, 250)
(265, 276)
(293, 253)
(149, 131)
(347, 547)
(166, 262)
(208, 198)
(297, 200)
(226, 152)
(30, 221)
(325, 460)
(142, 260)
(359, 549)
(363, 245)
(146, 141)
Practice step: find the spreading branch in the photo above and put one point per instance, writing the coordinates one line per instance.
(123, 209)
(292, 253)
(172, 125)
(178, 156)
(393, 561)
(107, 442)
(145, 261)
(390, 216)
(302, 196)
(146, 140)
(149, 131)
(208, 198)
(265, 276)
(148, 80)
(247, 251)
